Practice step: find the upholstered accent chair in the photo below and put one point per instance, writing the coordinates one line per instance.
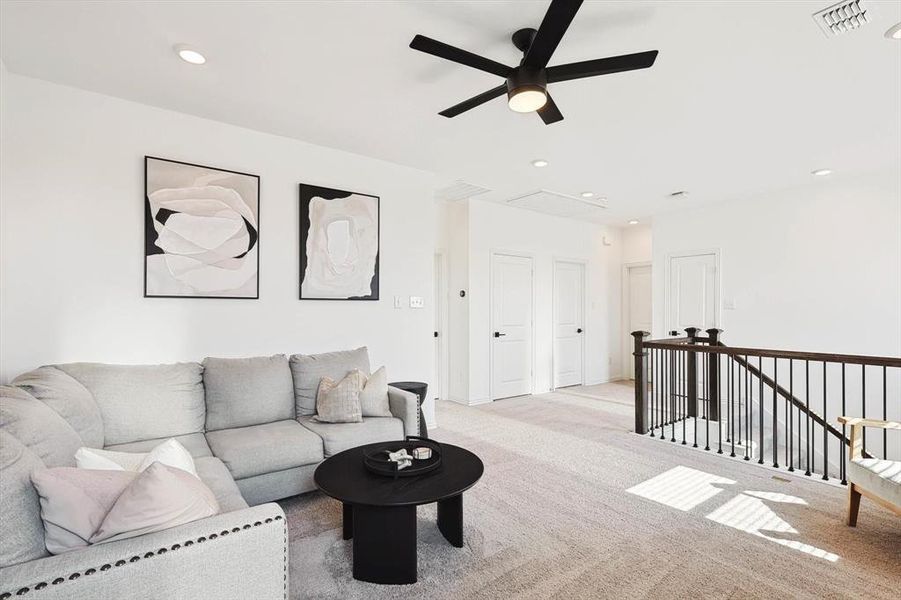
(877, 479)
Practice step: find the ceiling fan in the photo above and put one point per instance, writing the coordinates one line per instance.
(526, 85)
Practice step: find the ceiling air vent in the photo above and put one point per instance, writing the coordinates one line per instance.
(843, 17)
(562, 205)
(459, 190)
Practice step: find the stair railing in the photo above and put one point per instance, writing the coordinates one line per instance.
(697, 390)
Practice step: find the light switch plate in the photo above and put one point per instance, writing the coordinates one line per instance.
(398, 302)
(416, 302)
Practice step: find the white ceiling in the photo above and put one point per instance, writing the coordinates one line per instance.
(745, 96)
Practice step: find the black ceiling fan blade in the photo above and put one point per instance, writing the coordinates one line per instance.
(555, 23)
(482, 98)
(549, 113)
(601, 66)
(448, 52)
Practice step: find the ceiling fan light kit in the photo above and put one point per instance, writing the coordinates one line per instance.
(526, 85)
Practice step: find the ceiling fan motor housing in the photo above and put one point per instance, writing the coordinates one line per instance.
(522, 80)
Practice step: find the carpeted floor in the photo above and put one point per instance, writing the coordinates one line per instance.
(552, 518)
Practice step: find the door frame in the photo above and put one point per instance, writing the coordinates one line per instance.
(584, 264)
(717, 286)
(626, 313)
(441, 317)
(531, 257)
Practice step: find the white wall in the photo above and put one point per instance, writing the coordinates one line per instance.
(495, 227)
(817, 268)
(71, 240)
(636, 241)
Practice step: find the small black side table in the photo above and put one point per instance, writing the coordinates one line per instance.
(420, 389)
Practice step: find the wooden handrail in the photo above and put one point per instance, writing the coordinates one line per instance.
(852, 359)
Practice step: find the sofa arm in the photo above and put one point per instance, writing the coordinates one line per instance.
(405, 406)
(240, 554)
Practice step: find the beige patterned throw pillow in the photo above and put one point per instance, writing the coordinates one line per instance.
(339, 402)
(374, 397)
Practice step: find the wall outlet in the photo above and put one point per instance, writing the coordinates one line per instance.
(416, 302)
(398, 302)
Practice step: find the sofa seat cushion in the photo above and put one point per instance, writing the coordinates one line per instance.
(195, 443)
(247, 391)
(38, 427)
(144, 402)
(337, 437)
(258, 449)
(309, 369)
(215, 475)
(879, 476)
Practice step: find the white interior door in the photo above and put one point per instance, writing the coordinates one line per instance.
(694, 292)
(511, 322)
(639, 307)
(569, 323)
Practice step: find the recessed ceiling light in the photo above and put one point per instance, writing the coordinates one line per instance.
(894, 33)
(821, 172)
(540, 163)
(633, 222)
(587, 194)
(189, 54)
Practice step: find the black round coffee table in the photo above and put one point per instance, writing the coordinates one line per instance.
(380, 512)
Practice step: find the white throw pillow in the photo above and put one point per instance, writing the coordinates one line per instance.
(374, 397)
(170, 453)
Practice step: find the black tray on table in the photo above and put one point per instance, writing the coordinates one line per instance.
(375, 458)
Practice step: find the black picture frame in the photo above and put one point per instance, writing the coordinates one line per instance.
(150, 232)
(306, 192)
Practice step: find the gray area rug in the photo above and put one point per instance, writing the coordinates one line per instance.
(552, 518)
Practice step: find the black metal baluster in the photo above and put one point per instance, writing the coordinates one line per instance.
(684, 383)
(694, 443)
(749, 408)
(825, 430)
(674, 392)
(719, 408)
(732, 378)
(790, 436)
(884, 414)
(787, 429)
(653, 388)
(760, 409)
(707, 406)
(863, 404)
(842, 466)
(775, 413)
(807, 400)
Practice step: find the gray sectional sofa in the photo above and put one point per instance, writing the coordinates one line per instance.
(248, 424)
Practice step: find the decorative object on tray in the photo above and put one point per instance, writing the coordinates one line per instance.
(201, 231)
(339, 244)
(400, 459)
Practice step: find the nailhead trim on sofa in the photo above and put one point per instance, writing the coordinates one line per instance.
(133, 559)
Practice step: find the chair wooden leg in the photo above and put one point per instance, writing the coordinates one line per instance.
(853, 505)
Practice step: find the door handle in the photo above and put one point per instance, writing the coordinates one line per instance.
(579, 330)
(499, 334)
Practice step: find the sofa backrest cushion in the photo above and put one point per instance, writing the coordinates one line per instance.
(21, 528)
(309, 369)
(38, 427)
(247, 391)
(69, 398)
(142, 402)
